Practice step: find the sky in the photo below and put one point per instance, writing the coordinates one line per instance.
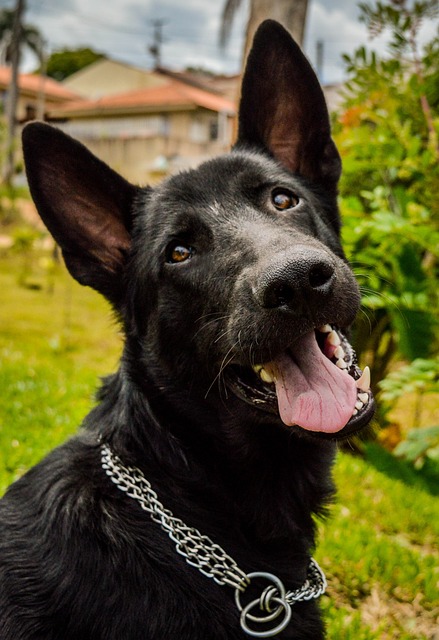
(123, 30)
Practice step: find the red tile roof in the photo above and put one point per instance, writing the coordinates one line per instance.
(172, 95)
(32, 83)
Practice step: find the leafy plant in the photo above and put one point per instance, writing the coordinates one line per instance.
(405, 19)
(388, 252)
(419, 377)
(387, 135)
(420, 445)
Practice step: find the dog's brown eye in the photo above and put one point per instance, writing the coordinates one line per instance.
(284, 199)
(179, 253)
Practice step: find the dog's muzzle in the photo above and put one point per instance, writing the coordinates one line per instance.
(315, 385)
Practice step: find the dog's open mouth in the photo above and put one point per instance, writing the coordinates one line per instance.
(315, 384)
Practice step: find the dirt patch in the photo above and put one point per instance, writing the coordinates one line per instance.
(407, 617)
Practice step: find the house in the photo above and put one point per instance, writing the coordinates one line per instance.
(143, 123)
(107, 77)
(37, 94)
(151, 131)
(226, 85)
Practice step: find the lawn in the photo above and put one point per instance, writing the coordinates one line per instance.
(55, 342)
(379, 548)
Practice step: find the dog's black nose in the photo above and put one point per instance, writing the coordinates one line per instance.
(305, 277)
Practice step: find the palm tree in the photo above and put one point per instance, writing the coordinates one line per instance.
(13, 33)
(290, 13)
(29, 36)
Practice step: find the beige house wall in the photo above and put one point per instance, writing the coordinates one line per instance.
(146, 147)
(30, 107)
(108, 77)
(146, 161)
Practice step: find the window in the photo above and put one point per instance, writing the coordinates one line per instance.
(30, 112)
(213, 129)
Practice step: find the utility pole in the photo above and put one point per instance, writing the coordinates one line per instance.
(13, 92)
(156, 48)
(41, 103)
(320, 58)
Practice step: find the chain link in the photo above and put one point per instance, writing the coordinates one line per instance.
(198, 550)
(201, 552)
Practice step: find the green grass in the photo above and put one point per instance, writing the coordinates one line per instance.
(379, 548)
(54, 345)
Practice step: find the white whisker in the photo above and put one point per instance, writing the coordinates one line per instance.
(226, 360)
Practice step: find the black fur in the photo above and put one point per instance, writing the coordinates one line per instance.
(79, 560)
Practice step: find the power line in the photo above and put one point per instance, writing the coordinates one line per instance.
(156, 48)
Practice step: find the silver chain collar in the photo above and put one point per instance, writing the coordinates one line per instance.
(212, 561)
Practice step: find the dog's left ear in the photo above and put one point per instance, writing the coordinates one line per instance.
(283, 108)
(86, 206)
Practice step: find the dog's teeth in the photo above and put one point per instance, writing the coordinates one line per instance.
(354, 412)
(325, 329)
(364, 397)
(363, 383)
(333, 339)
(266, 376)
(359, 405)
(339, 352)
(341, 364)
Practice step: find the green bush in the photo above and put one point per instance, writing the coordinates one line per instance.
(387, 133)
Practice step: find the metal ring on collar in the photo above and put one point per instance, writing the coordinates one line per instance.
(263, 603)
(269, 632)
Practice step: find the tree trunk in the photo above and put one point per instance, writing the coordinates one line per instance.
(290, 13)
(9, 167)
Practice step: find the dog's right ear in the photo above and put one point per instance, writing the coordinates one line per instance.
(86, 206)
(283, 109)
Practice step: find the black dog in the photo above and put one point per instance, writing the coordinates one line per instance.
(234, 295)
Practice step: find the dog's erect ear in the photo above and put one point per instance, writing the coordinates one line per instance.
(283, 108)
(85, 205)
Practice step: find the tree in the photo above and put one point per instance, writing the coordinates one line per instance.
(62, 64)
(290, 13)
(14, 34)
(30, 36)
(405, 22)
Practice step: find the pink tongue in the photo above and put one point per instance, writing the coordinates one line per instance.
(312, 392)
